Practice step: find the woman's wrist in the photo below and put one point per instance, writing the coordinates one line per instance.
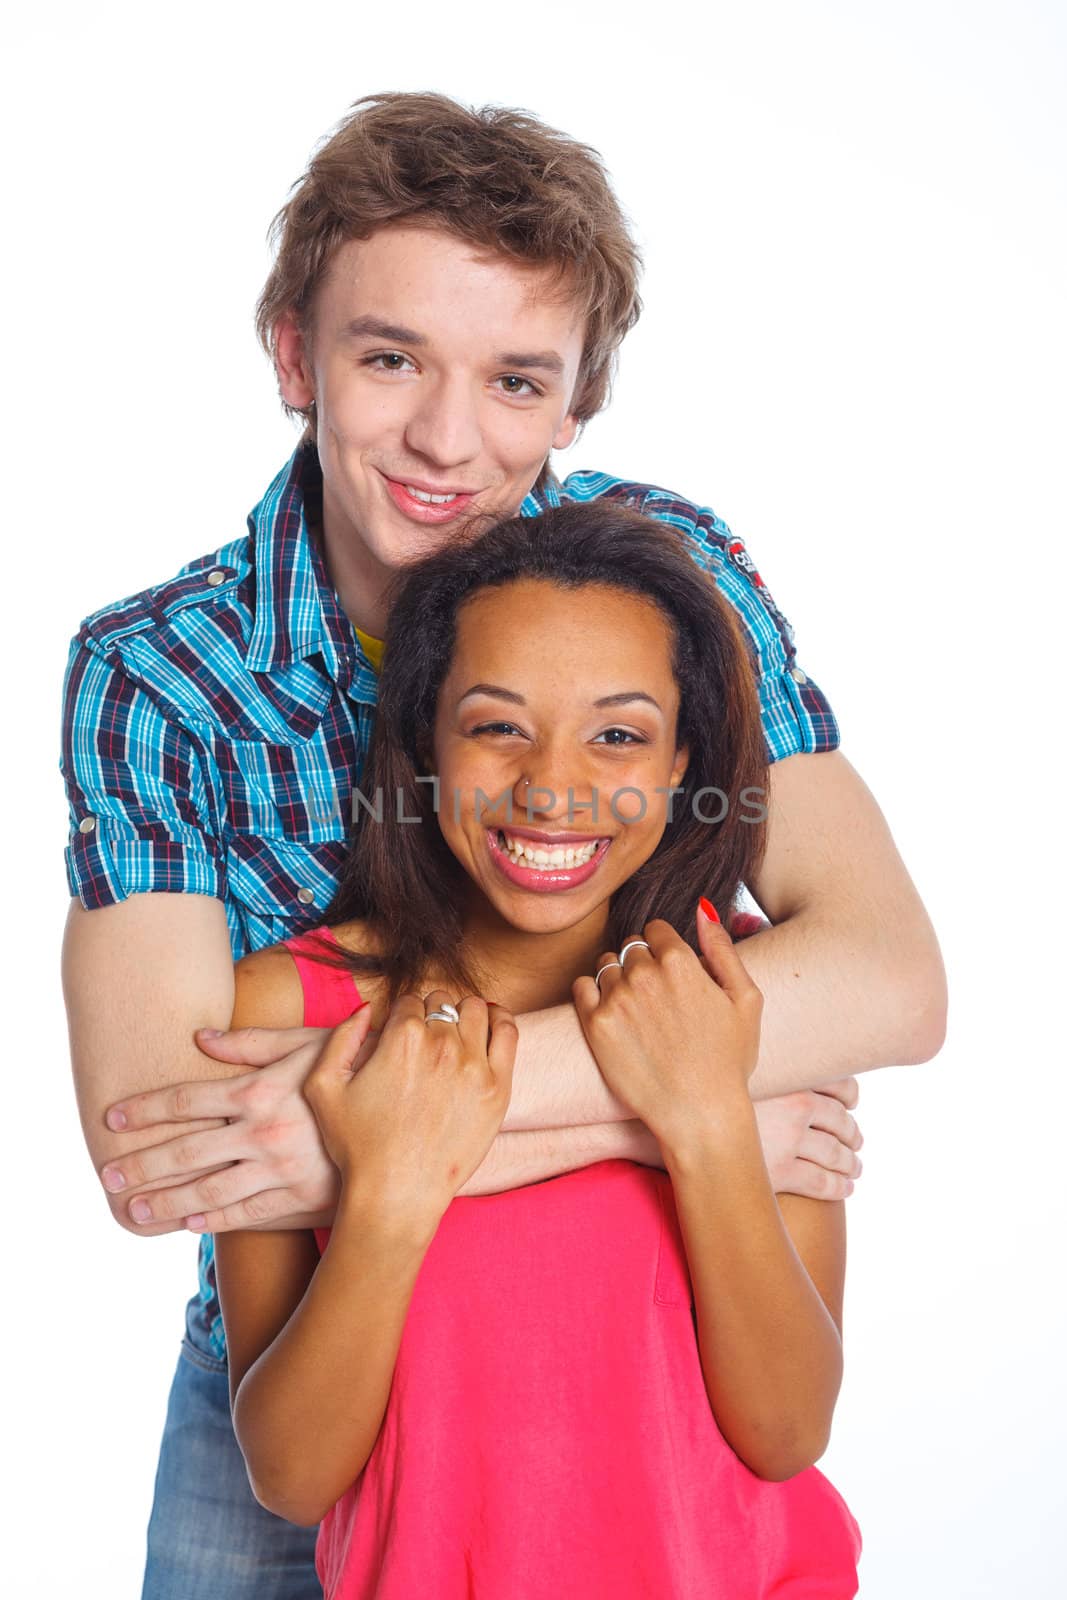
(725, 1131)
(368, 1207)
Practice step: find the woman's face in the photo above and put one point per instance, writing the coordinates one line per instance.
(571, 689)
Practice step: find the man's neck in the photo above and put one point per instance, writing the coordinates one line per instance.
(359, 581)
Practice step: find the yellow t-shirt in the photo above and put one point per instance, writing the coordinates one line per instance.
(372, 648)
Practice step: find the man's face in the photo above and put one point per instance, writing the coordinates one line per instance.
(433, 369)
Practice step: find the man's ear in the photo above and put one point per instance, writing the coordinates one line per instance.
(567, 432)
(296, 380)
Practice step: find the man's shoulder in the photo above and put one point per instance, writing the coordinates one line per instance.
(652, 500)
(712, 542)
(198, 592)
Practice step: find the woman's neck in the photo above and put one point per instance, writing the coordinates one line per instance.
(530, 971)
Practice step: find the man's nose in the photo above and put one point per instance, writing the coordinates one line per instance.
(444, 427)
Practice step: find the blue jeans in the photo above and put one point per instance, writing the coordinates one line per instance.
(209, 1538)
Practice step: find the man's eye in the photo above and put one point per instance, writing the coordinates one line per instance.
(388, 356)
(510, 378)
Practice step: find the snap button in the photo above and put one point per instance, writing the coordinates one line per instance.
(305, 896)
(798, 676)
(216, 577)
(87, 825)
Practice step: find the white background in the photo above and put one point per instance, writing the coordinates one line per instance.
(854, 350)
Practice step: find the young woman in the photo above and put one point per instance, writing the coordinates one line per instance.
(614, 1382)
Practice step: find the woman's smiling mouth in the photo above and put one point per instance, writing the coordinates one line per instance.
(536, 862)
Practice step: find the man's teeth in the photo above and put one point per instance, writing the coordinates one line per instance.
(429, 499)
(527, 853)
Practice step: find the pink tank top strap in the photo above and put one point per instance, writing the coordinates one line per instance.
(330, 993)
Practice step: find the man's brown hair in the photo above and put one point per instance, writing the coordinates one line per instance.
(497, 177)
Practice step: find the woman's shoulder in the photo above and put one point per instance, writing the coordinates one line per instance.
(270, 986)
(267, 990)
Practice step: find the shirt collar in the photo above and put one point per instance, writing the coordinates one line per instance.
(549, 494)
(297, 612)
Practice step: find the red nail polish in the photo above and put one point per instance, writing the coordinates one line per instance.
(708, 909)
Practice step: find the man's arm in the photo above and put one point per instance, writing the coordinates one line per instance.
(138, 977)
(851, 971)
(851, 975)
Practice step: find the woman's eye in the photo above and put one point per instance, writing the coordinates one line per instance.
(625, 736)
(496, 727)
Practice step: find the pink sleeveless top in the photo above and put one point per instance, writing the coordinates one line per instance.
(548, 1433)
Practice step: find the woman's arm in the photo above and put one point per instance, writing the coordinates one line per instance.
(312, 1347)
(768, 1281)
(312, 1343)
(677, 1040)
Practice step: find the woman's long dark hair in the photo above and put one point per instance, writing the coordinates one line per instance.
(402, 879)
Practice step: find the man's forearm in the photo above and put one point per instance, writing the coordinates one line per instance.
(517, 1159)
(840, 1001)
(841, 996)
(556, 1082)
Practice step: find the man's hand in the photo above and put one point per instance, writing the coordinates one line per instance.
(266, 1167)
(810, 1140)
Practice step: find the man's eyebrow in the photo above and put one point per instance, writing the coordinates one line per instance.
(370, 327)
(547, 360)
(516, 699)
(376, 328)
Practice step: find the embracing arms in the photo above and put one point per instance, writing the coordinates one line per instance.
(851, 972)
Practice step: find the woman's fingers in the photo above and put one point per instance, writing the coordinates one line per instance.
(503, 1042)
(337, 1059)
(723, 962)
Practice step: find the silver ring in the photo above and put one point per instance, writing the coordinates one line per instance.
(634, 944)
(604, 968)
(447, 1013)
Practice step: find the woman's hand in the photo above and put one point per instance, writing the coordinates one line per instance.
(412, 1124)
(675, 1042)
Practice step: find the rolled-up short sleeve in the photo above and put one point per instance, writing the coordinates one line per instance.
(141, 815)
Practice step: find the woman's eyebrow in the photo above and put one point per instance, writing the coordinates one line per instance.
(627, 694)
(493, 689)
(516, 699)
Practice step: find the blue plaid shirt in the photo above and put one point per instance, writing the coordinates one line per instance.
(214, 726)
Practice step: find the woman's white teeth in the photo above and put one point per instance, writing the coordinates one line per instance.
(429, 499)
(528, 853)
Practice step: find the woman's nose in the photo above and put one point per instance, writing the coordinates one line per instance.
(551, 792)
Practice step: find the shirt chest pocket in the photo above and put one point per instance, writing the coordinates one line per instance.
(279, 887)
(673, 1284)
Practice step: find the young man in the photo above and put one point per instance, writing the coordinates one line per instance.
(449, 294)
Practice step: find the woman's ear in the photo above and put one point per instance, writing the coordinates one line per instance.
(681, 763)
